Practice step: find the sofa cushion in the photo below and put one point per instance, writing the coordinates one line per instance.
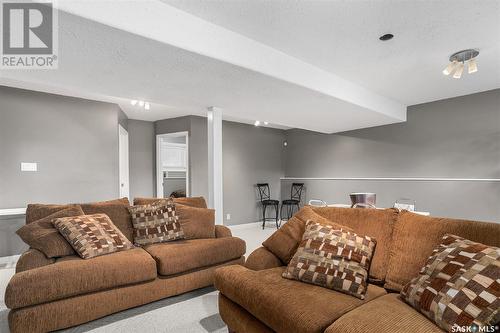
(286, 305)
(156, 223)
(191, 201)
(285, 241)
(333, 259)
(117, 210)
(378, 223)
(92, 235)
(71, 276)
(385, 314)
(185, 255)
(416, 236)
(43, 236)
(459, 285)
(196, 222)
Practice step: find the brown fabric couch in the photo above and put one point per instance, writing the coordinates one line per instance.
(51, 294)
(255, 298)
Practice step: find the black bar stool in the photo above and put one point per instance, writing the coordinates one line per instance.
(265, 199)
(294, 201)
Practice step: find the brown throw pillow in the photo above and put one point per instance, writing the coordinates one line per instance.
(459, 285)
(35, 212)
(117, 211)
(195, 222)
(155, 223)
(92, 235)
(285, 241)
(43, 236)
(332, 258)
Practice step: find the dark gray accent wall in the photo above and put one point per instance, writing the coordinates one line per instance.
(250, 155)
(141, 156)
(452, 138)
(74, 141)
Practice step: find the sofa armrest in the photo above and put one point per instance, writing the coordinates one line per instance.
(262, 259)
(222, 231)
(32, 258)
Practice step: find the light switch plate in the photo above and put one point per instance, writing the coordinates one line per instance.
(228, 216)
(28, 166)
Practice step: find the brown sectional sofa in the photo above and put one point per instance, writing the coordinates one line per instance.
(255, 298)
(50, 294)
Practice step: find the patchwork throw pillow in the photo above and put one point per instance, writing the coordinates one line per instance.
(458, 286)
(43, 236)
(92, 235)
(332, 258)
(284, 242)
(156, 223)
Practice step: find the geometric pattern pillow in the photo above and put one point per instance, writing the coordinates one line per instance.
(92, 235)
(156, 223)
(458, 286)
(332, 258)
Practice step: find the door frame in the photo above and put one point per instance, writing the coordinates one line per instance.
(158, 175)
(123, 170)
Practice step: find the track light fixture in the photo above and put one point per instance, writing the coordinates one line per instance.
(458, 61)
(141, 104)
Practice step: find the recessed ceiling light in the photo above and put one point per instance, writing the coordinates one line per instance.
(147, 106)
(386, 37)
(257, 123)
(266, 123)
(133, 102)
(141, 103)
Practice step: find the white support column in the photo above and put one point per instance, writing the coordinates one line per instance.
(215, 197)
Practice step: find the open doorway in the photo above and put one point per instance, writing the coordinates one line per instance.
(172, 165)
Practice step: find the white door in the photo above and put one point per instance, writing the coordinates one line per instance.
(123, 162)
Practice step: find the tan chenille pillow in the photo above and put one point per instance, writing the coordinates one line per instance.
(195, 222)
(92, 235)
(43, 236)
(332, 258)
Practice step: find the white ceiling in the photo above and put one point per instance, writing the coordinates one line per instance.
(325, 70)
(342, 37)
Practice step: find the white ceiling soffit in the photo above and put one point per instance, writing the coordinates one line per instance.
(341, 37)
(163, 23)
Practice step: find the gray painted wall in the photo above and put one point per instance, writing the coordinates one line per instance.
(198, 157)
(198, 149)
(74, 141)
(452, 138)
(141, 156)
(250, 155)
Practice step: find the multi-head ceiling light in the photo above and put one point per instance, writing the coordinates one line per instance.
(257, 123)
(141, 104)
(458, 61)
